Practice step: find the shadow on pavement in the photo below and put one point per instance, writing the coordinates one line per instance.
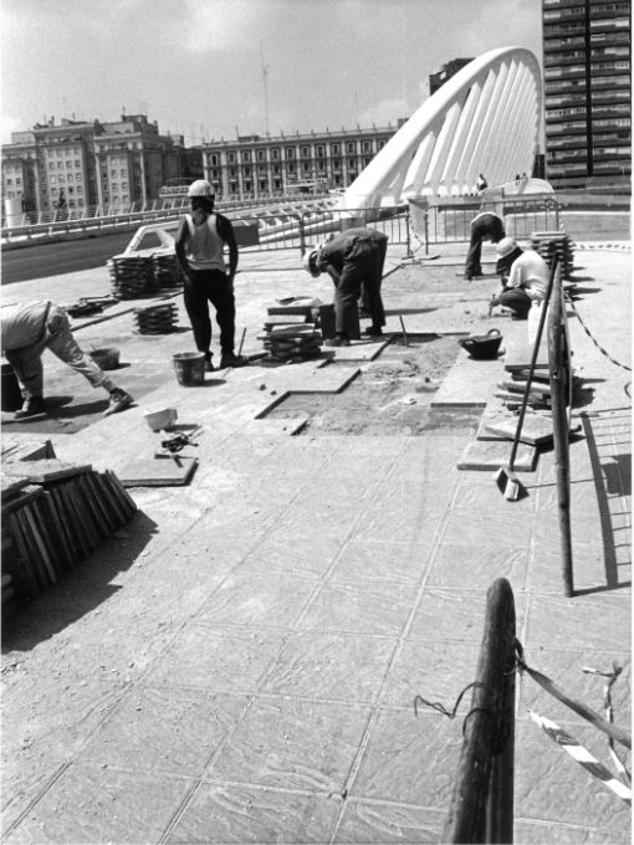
(81, 590)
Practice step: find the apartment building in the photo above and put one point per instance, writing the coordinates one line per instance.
(252, 166)
(78, 165)
(587, 88)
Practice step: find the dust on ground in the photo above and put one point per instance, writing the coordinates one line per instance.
(391, 395)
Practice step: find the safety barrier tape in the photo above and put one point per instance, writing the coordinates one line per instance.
(600, 348)
(620, 245)
(609, 714)
(570, 745)
(590, 715)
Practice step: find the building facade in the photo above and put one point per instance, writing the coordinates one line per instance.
(256, 167)
(79, 165)
(449, 69)
(587, 88)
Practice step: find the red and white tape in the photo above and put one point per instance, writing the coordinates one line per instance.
(570, 745)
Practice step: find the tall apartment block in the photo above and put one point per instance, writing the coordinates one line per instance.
(253, 166)
(81, 165)
(587, 86)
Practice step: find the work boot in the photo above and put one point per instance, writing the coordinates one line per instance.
(230, 360)
(32, 406)
(209, 367)
(337, 341)
(373, 331)
(119, 400)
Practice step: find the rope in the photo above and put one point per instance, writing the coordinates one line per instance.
(600, 348)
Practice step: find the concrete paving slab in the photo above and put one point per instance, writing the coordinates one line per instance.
(315, 579)
(251, 814)
(491, 455)
(468, 384)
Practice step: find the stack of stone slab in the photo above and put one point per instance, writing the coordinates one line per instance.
(156, 319)
(168, 273)
(132, 277)
(54, 515)
(551, 245)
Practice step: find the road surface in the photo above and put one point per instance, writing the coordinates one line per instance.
(52, 259)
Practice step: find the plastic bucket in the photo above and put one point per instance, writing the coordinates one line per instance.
(11, 395)
(189, 367)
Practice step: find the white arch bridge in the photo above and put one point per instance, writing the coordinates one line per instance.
(484, 119)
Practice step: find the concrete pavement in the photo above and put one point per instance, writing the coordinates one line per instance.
(239, 664)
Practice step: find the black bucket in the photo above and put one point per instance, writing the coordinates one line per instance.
(11, 396)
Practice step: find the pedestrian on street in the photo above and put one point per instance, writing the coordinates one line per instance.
(28, 329)
(524, 276)
(486, 226)
(200, 242)
(352, 258)
(481, 183)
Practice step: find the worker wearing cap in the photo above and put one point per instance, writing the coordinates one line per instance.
(200, 242)
(28, 328)
(525, 276)
(486, 226)
(351, 258)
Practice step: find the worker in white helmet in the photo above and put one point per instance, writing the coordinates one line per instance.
(524, 275)
(200, 243)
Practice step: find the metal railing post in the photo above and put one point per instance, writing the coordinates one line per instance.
(559, 381)
(482, 803)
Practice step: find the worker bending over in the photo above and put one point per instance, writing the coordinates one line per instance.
(525, 277)
(486, 226)
(351, 258)
(28, 328)
(200, 242)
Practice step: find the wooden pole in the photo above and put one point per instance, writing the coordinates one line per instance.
(559, 379)
(482, 803)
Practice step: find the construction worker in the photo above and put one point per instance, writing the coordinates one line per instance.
(28, 329)
(352, 258)
(200, 242)
(525, 277)
(486, 226)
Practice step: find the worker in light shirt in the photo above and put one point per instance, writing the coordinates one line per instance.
(524, 276)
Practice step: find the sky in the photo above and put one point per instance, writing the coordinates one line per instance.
(212, 69)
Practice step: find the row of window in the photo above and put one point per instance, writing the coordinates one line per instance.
(320, 151)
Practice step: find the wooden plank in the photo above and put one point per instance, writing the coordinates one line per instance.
(33, 553)
(105, 516)
(23, 567)
(125, 499)
(42, 541)
(42, 471)
(90, 531)
(111, 498)
(75, 526)
(76, 554)
(57, 531)
(88, 501)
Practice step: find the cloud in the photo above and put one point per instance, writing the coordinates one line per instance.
(219, 26)
(9, 124)
(384, 112)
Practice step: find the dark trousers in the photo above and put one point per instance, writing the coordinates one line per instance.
(517, 300)
(211, 286)
(363, 266)
(489, 227)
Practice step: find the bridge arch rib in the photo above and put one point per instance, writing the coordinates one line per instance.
(485, 119)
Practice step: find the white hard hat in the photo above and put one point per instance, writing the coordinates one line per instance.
(309, 262)
(505, 247)
(200, 188)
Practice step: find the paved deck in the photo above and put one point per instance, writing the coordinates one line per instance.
(239, 663)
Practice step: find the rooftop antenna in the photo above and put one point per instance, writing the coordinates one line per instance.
(265, 73)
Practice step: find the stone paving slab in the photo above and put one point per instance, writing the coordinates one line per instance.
(289, 605)
(490, 455)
